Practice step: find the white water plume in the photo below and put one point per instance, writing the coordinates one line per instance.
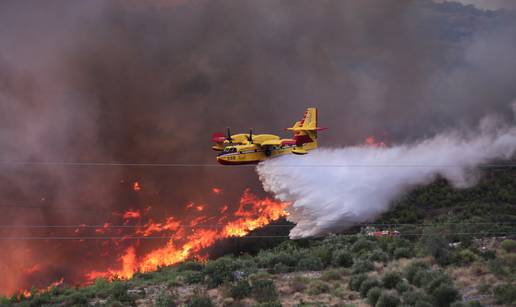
(334, 189)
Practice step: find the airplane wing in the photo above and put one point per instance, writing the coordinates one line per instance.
(270, 143)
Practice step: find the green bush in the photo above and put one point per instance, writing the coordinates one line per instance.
(193, 277)
(509, 246)
(200, 301)
(324, 253)
(342, 258)
(403, 252)
(367, 284)
(219, 271)
(282, 257)
(356, 281)
(362, 266)
(444, 295)
(402, 287)
(422, 278)
(331, 275)
(119, 292)
(391, 279)
(497, 266)
(410, 298)
(363, 245)
(388, 299)
(190, 266)
(310, 264)
(164, 300)
(505, 294)
(464, 257)
(317, 287)
(280, 268)
(413, 268)
(77, 299)
(373, 295)
(379, 256)
(434, 280)
(269, 304)
(424, 304)
(240, 289)
(437, 246)
(299, 283)
(264, 290)
(468, 304)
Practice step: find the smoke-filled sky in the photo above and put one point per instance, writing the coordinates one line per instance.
(149, 81)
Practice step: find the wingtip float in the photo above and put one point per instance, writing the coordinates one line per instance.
(246, 148)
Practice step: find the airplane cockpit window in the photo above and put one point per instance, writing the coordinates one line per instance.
(228, 150)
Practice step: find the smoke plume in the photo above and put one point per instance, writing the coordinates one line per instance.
(334, 189)
(150, 81)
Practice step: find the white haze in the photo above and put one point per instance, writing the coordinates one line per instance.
(334, 189)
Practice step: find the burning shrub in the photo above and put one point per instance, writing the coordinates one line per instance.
(367, 284)
(342, 258)
(264, 290)
(391, 279)
(310, 264)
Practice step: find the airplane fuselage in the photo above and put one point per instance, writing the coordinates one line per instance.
(250, 154)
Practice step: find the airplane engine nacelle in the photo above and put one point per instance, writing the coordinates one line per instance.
(299, 151)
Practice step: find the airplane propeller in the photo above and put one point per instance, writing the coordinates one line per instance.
(228, 137)
(250, 136)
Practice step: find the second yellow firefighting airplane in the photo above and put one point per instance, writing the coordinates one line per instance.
(246, 148)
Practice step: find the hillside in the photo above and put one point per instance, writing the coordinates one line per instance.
(455, 248)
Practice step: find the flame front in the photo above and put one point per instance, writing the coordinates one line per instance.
(187, 240)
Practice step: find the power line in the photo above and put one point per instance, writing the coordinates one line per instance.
(55, 238)
(200, 164)
(5, 226)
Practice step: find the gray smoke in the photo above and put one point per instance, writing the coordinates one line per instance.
(334, 189)
(149, 81)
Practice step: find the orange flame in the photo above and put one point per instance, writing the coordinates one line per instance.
(136, 186)
(185, 241)
(131, 214)
(373, 142)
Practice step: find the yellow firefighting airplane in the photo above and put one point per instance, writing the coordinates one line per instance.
(246, 148)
